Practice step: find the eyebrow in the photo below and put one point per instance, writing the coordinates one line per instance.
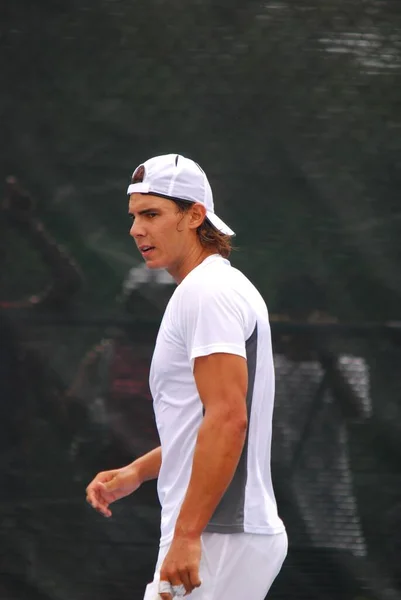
(145, 211)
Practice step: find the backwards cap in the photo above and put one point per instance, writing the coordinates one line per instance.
(178, 178)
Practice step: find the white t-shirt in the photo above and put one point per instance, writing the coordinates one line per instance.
(215, 309)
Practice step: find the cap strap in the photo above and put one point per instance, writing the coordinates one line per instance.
(140, 188)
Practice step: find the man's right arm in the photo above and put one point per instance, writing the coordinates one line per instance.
(109, 486)
(148, 465)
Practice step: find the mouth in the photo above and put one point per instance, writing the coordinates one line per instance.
(146, 250)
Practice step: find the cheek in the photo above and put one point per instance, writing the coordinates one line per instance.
(177, 242)
(170, 237)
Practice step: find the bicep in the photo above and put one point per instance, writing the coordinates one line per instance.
(222, 382)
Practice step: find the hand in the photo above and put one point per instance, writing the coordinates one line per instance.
(109, 486)
(181, 565)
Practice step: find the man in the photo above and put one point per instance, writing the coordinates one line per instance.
(212, 383)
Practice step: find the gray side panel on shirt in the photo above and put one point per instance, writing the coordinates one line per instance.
(229, 514)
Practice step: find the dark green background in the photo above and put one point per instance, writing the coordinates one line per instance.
(294, 111)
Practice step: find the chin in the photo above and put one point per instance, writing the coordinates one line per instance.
(155, 264)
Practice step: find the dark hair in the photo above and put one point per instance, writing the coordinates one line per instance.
(209, 237)
(138, 174)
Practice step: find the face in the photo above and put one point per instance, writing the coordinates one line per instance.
(165, 237)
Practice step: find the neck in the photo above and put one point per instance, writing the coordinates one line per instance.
(190, 262)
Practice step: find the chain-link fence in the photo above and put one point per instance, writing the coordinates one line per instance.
(82, 404)
(293, 110)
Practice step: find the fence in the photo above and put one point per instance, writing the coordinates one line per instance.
(75, 401)
(293, 110)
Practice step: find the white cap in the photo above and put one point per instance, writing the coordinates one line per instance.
(179, 178)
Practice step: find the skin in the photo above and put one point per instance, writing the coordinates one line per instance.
(222, 383)
(157, 222)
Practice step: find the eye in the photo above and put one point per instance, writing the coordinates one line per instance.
(151, 215)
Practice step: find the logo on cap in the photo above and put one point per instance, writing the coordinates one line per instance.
(139, 175)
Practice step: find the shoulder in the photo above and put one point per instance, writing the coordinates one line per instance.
(217, 278)
(217, 303)
(208, 289)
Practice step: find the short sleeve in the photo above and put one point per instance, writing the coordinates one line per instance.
(214, 319)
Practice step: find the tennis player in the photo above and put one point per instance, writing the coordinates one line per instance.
(212, 382)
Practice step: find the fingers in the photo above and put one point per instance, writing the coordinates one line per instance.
(179, 574)
(99, 504)
(170, 583)
(178, 584)
(185, 578)
(96, 498)
(194, 578)
(101, 491)
(167, 591)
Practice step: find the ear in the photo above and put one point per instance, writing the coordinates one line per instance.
(197, 216)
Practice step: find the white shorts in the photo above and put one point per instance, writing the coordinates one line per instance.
(235, 566)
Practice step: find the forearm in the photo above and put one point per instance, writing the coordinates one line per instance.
(218, 449)
(148, 465)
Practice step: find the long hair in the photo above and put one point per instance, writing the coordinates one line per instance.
(209, 237)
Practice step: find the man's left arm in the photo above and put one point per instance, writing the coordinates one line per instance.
(222, 381)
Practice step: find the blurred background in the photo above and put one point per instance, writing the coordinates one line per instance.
(293, 109)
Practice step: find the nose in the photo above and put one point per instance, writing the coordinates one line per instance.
(136, 230)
